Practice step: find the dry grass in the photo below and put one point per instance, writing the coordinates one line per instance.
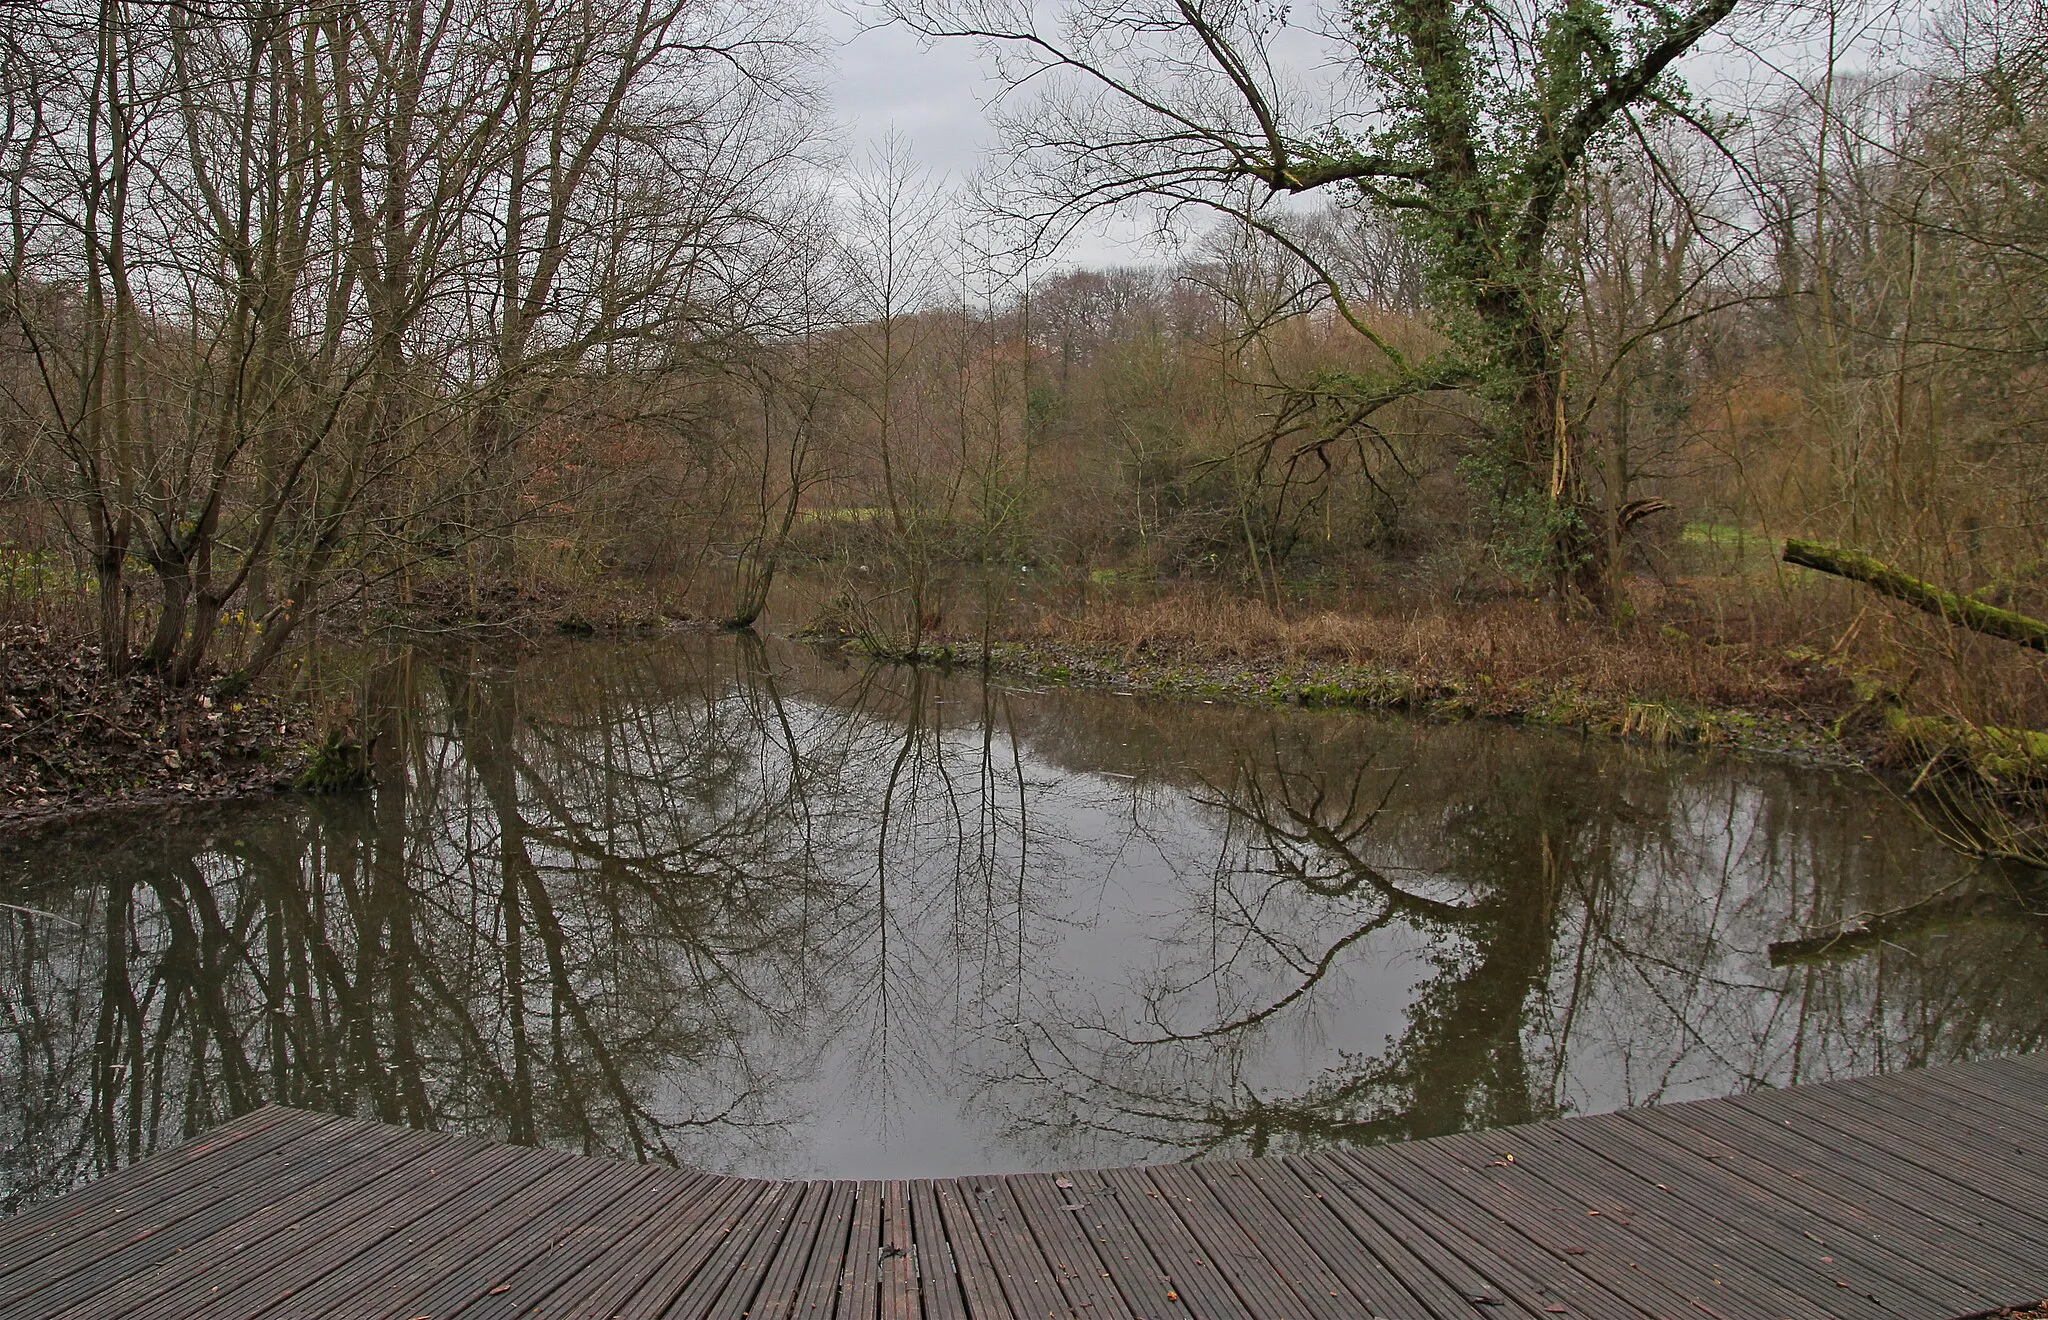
(1708, 659)
(1808, 664)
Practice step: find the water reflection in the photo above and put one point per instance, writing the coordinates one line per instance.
(757, 910)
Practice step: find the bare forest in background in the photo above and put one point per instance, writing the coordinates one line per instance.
(367, 316)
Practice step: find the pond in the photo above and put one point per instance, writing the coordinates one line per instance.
(758, 909)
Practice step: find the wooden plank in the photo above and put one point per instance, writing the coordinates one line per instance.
(254, 1137)
(938, 1273)
(1082, 1274)
(2020, 1079)
(2020, 1085)
(860, 1282)
(1700, 1263)
(898, 1264)
(1302, 1226)
(1275, 1276)
(671, 1246)
(532, 1285)
(1845, 1246)
(790, 1233)
(1820, 1230)
(1721, 1202)
(155, 1204)
(2010, 1122)
(1441, 1283)
(979, 1284)
(230, 1242)
(1194, 1279)
(1864, 1200)
(1126, 1258)
(1536, 1233)
(813, 1294)
(1917, 1196)
(697, 1265)
(690, 1278)
(370, 1272)
(2014, 1089)
(1029, 1280)
(1220, 1243)
(145, 1239)
(734, 1266)
(2014, 1069)
(1514, 1269)
(489, 1251)
(256, 1264)
(1952, 1159)
(1656, 1184)
(1983, 1136)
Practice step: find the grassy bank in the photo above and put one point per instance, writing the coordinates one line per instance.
(1750, 682)
(1816, 673)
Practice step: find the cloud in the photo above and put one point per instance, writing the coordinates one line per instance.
(933, 94)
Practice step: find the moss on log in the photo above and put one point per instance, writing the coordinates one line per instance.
(1882, 578)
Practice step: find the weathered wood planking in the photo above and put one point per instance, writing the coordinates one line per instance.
(1922, 1195)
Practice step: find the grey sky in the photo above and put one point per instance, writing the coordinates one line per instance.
(933, 95)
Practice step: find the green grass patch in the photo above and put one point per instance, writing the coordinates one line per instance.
(1723, 536)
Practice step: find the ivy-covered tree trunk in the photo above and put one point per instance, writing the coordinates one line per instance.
(1565, 529)
(1470, 127)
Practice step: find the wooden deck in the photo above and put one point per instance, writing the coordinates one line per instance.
(1919, 1195)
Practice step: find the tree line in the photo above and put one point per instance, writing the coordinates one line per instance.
(343, 303)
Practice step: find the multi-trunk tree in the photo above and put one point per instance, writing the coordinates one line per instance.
(293, 282)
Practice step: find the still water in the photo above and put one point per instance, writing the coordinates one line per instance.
(759, 910)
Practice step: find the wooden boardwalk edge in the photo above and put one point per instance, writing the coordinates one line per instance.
(1921, 1195)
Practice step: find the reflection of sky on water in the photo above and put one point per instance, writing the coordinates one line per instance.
(642, 900)
(1113, 877)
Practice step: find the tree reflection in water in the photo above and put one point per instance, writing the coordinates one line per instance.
(768, 912)
(1591, 927)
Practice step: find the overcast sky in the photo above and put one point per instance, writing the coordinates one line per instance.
(934, 94)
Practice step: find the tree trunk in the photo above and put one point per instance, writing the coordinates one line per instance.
(174, 582)
(108, 563)
(1574, 547)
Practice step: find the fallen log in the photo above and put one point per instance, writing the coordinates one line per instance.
(1936, 913)
(1882, 578)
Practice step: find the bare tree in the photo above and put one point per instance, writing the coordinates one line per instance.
(891, 260)
(298, 281)
(1467, 122)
